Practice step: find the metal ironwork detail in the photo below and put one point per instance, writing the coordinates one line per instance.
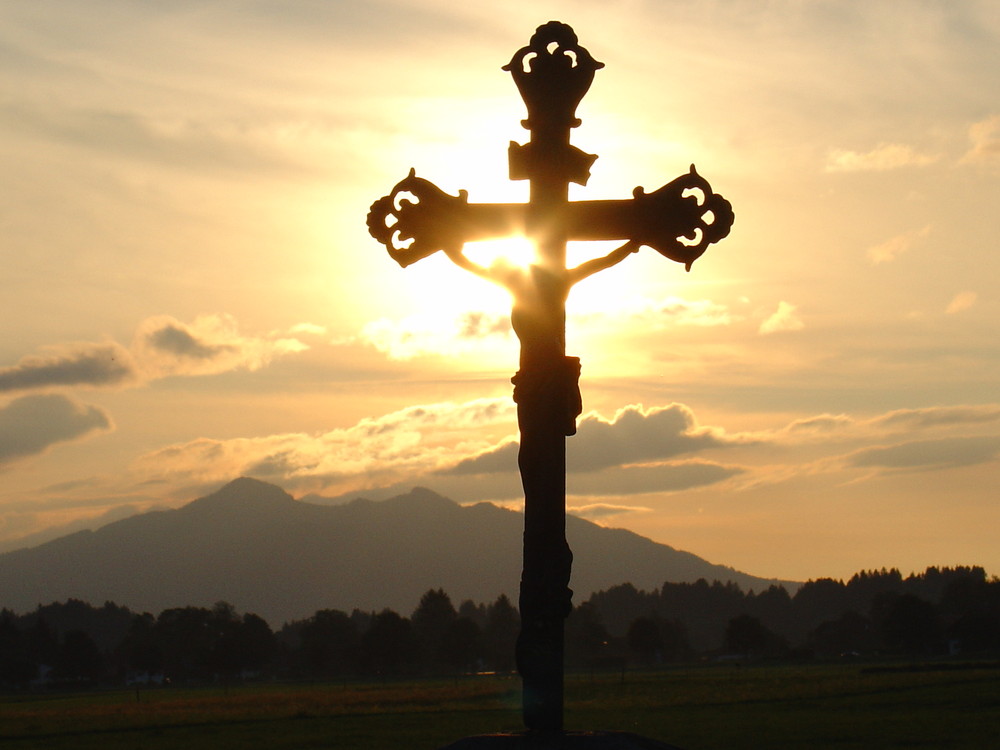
(675, 223)
(431, 223)
(679, 220)
(553, 73)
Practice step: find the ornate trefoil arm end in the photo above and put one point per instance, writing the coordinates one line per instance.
(682, 218)
(417, 219)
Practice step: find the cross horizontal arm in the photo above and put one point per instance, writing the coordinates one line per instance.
(413, 229)
(679, 220)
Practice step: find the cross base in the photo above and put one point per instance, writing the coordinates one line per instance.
(559, 741)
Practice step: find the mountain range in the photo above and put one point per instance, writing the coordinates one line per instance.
(255, 546)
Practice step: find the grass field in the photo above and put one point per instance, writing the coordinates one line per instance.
(704, 708)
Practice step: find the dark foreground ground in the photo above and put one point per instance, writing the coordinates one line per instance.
(844, 706)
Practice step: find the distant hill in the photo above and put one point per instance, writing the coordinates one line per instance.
(253, 545)
(49, 533)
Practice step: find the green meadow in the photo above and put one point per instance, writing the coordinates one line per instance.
(944, 705)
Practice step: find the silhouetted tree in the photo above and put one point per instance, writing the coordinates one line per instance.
(746, 635)
(362, 620)
(971, 606)
(41, 642)
(976, 631)
(934, 583)
(703, 609)
(78, 658)
(620, 605)
(389, 646)
(141, 648)
(654, 640)
(17, 668)
(848, 634)
(462, 647)
(431, 621)
(472, 611)
(256, 643)
(186, 638)
(773, 607)
(224, 657)
(644, 640)
(587, 640)
(106, 625)
(500, 634)
(867, 584)
(816, 602)
(329, 644)
(674, 637)
(911, 626)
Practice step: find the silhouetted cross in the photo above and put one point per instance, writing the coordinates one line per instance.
(680, 220)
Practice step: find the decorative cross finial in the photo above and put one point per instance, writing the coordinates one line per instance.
(553, 73)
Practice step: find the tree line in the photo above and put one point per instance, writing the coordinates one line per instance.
(940, 611)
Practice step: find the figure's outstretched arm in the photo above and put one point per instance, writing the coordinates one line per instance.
(591, 267)
(457, 256)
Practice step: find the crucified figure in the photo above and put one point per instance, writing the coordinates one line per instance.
(539, 294)
(547, 393)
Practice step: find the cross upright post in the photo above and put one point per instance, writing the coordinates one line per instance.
(679, 220)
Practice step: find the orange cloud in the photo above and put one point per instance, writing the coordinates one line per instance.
(883, 157)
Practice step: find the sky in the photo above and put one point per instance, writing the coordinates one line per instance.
(190, 293)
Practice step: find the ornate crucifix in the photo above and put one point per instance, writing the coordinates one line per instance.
(680, 220)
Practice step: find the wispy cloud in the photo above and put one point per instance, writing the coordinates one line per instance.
(163, 346)
(32, 424)
(650, 478)
(230, 144)
(210, 345)
(668, 311)
(596, 511)
(476, 325)
(633, 453)
(85, 364)
(310, 329)
(638, 435)
(930, 438)
(944, 453)
(639, 452)
(985, 138)
(685, 312)
(407, 443)
(836, 429)
(883, 157)
(498, 459)
(936, 416)
(896, 246)
(784, 318)
(634, 435)
(439, 335)
(823, 425)
(961, 301)
(435, 335)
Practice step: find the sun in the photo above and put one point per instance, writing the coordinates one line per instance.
(516, 251)
(469, 152)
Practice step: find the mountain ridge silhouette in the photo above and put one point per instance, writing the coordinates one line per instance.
(252, 544)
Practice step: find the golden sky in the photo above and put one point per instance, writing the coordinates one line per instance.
(191, 295)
